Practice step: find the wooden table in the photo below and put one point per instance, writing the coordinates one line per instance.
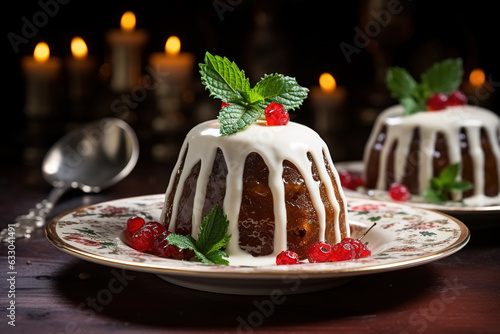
(58, 293)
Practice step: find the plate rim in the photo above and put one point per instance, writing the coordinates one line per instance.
(257, 272)
(427, 206)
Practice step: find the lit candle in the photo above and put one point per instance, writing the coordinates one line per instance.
(81, 68)
(173, 64)
(173, 70)
(42, 72)
(126, 44)
(477, 88)
(327, 100)
(477, 77)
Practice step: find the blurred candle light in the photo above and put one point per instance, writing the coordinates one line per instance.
(174, 70)
(79, 48)
(327, 101)
(127, 21)
(173, 46)
(477, 77)
(81, 69)
(126, 44)
(327, 83)
(41, 53)
(479, 91)
(41, 72)
(173, 63)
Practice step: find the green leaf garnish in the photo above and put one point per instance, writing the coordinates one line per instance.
(227, 82)
(211, 238)
(444, 183)
(443, 77)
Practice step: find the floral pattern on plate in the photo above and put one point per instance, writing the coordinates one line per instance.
(404, 236)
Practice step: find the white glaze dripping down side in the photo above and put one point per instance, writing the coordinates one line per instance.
(274, 144)
(448, 122)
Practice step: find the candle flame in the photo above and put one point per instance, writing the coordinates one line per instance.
(477, 77)
(327, 83)
(42, 52)
(173, 45)
(127, 22)
(78, 48)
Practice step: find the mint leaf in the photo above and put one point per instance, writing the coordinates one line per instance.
(213, 231)
(223, 78)
(217, 257)
(410, 105)
(227, 82)
(187, 242)
(400, 83)
(444, 183)
(235, 117)
(461, 185)
(444, 77)
(281, 89)
(449, 174)
(211, 238)
(435, 196)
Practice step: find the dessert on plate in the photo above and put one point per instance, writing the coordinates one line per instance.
(274, 179)
(433, 143)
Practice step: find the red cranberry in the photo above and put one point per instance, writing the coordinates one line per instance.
(287, 257)
(343, 251)
(319, 252)
(134, 223)
(437, 101)
(457, 98)
(276, 114)
(399, 192)
(356, 181)
(355, 243)
(351, 181)
(161, 247)
(364, 252)
(345, 179)
(143, 239)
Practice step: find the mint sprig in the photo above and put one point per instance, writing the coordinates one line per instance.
(211, 238)
(444, 183)
(227, 82)
(443, 77)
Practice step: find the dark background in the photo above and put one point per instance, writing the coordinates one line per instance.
(303, 41)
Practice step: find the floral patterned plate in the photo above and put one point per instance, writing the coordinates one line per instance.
(456, 209)
(404, 236)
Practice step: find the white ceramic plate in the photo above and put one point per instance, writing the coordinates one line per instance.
(404, 236)
(455, 209)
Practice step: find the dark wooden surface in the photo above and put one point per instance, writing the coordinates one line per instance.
(58, 293)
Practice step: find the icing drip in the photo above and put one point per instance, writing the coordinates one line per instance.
(392, 129)
(276, 145)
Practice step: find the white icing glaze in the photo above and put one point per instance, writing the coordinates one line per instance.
(274, 144)
(448, 122)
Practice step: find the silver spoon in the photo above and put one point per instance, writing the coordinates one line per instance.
(90, 158)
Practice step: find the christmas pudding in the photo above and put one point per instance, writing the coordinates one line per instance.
(433, 143)
(274, 179)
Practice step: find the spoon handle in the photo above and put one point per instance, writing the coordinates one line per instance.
(24, 225)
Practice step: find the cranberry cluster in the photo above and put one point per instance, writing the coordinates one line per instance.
(151, 237)
(351, 180)
(322, 251)
(440, 101)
